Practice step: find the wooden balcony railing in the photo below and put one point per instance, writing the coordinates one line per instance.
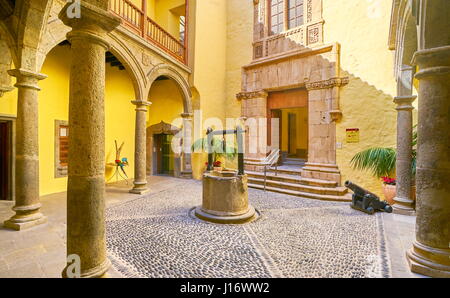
(137, 21)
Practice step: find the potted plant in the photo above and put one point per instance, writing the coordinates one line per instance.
(389, 189)
(220, 150)
(381, 162)
(217, 165)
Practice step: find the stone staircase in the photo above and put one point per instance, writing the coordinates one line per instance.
(294, 162)
(289, 181)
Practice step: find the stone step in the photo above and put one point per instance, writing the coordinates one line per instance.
(296, 171)
(299, 160)
(333, 191)
(292, 179)
(344, 198)
(293, 163)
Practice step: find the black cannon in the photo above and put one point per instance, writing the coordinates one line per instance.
(366, 201)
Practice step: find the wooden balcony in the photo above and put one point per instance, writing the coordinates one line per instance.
(136, 20)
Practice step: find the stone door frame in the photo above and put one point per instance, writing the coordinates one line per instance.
(156, 129)
(318, 71)
(11, 170)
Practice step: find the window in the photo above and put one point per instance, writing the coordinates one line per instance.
(182, 28)
(295, 13)
(61, 148)
(63, 145)
(276, 16)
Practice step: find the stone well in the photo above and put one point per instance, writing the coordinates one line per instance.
(225, 198)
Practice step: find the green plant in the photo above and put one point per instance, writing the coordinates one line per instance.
(217, 147)
(381, 161)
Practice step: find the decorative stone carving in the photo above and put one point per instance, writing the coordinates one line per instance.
(334, 82)
(309, 11)
(4, 89)
(251, 95)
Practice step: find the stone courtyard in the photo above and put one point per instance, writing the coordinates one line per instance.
(156, 235)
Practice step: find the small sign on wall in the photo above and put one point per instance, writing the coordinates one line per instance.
(352, 135)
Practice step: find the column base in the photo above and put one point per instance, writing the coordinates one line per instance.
(429, 261)
(101, 271)
(23, 223)
(139, 191)
(404, 206)
(139, 188)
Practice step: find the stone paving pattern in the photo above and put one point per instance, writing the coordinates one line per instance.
(153, 235)
(157, 236)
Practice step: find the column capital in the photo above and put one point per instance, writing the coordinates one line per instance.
(432, 62)
(91, 17)
(405, 102)
(26, 78)
(93, 23)
(141, 105)
(186, 116)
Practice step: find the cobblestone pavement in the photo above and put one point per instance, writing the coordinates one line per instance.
(157, 236)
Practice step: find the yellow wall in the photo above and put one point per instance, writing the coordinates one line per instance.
(167, 103)
(167, 15)
(53, 105)
(224, 33)
(8, 103)
(210, 67)
(362, 29)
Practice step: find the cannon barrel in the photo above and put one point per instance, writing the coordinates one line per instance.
(358, 189)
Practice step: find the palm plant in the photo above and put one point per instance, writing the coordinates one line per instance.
(381, 161)
(220, 148)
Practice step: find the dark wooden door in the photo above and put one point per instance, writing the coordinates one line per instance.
(5, 160)
(167, 156)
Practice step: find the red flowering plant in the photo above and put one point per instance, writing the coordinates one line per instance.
(217, 163)
(389, 181)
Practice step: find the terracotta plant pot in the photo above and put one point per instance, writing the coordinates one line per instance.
(389, 192)
(218, 169)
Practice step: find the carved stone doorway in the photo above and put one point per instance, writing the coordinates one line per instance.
(161, 157)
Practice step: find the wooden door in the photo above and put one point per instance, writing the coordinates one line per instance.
(167, 155)
(5, 160)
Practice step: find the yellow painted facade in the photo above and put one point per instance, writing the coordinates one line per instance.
(54, 105)
(223, 44)
(367, 101)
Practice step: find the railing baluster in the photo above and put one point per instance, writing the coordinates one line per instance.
(137, 19)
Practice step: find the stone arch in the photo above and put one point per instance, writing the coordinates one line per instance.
(6, 59)
(168, 71)
(118, 48)
(406, 46)
(33, 19)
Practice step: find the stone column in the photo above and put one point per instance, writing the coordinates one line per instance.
(186, 170)
(86, 172)
(27, 152)
(140, 148)
(403, 202)
(430, 254)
